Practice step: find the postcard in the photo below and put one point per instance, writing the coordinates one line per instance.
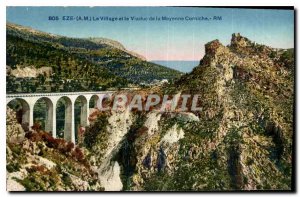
(150, 99)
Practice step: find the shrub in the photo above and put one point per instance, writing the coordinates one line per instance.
(69, 147)
(78, 155)
(13, 167)
(90, 136)
(36, 127)
(16, 149)
(64, 147)
(66, 179)
(39, 168)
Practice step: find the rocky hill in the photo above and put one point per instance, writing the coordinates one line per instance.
(77, 64)
(241, 140)
(37, 162)
(247, 95)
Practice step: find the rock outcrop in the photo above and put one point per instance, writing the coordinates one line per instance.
(31, 72)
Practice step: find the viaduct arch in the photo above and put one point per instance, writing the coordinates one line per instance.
(28, 101)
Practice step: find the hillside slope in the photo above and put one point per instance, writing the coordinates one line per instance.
(74, 63)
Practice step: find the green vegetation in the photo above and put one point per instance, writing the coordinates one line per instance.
(98, 128)
(69, 72)
(77, 64)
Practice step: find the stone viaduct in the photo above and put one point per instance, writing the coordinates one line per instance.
(28, 100)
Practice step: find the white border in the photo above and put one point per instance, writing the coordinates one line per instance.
(5, 3)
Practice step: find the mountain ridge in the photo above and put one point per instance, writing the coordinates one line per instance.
(96, 40)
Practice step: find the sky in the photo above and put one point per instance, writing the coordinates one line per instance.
(163, 40)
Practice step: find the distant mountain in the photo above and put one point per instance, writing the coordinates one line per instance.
(117, 45)
(77, 64)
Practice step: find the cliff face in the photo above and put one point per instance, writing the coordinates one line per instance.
(132, 147)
